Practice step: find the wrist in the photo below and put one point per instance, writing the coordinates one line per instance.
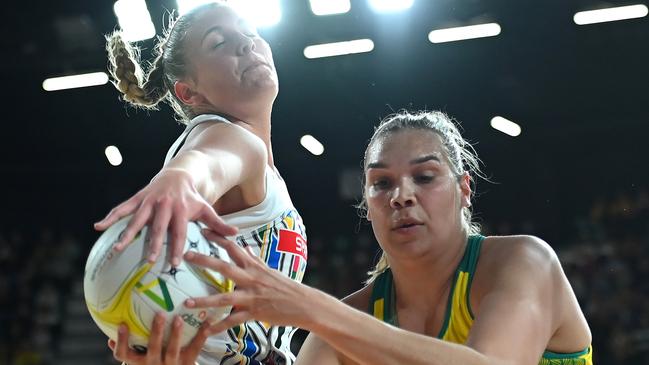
(319, 309)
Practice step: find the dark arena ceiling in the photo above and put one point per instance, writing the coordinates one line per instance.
(579, 93)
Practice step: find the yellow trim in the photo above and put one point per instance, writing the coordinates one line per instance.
(459, 320)
(379, 304)
(120, 310)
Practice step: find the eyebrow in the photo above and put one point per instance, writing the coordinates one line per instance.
(418, 160)
(220, 28)
(426, 158)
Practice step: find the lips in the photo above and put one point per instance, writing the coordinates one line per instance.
(404, 223)
(255, 64)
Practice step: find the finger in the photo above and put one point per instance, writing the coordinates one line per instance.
(173, 347)
(158, 228)
(208, 216)
(154, 350)
(111, 344)
(196, 345)
(235, 252)
(134, 226)
(234, 319)
(120, 350)
(235, 298)
(122, 210)
(178, 232)
(228, 270)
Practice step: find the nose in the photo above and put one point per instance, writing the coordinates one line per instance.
(403, 196)
(246, 45)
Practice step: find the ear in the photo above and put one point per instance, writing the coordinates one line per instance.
(367, 216)
(186, 93)
(465, 190)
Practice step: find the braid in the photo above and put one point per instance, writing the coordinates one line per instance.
(127, 73)
(155, 86)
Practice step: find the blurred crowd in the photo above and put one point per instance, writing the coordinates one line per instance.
(606, 261)
(35, 275)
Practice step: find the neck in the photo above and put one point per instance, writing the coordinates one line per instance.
(258, 123)
(423, 281)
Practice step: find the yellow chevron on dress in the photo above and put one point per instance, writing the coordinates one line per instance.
(290, 222)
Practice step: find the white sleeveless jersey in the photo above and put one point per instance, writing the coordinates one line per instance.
(275, 232)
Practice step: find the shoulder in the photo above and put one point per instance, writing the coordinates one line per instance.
(517, 263)
(360, 299)
(509, 250)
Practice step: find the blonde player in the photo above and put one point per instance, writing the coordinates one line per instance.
(218, 75)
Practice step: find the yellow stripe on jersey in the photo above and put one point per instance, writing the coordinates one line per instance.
(378, 308)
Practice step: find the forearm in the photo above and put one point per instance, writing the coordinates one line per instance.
(352, 333)
(202, 171)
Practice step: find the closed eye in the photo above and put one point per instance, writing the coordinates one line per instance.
(424, 179)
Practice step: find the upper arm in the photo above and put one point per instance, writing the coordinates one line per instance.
(518, 312)
(234, 156)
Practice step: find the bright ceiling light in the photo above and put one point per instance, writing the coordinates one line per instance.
(134, 20)
(184, 6)
(329, 7)
(506, 126)
(462, 33)
(391, 5)
(113, 155)
(75, 81)
(339, 48)
(312, 145)
(610, 14)
(260, 13)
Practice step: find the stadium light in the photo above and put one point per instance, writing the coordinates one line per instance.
(261, 13)
(329, 7)
(312, 145)
(506, 126)
(610, 14)
(113, 155)
(75, 81)
(134, 19)
(390, 5)
(462, 33)
(338, 48)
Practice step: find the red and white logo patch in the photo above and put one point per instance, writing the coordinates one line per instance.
(292, 242)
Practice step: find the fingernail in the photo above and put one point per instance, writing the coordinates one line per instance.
(175, 262)
(189, 255)
(121, 329)
(177, 321)
(190, 303)
(151, 258)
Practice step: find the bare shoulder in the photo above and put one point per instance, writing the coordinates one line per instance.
(515, 261)
(503, 250)
(360, 299)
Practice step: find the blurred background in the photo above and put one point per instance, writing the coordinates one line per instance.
(574, 174)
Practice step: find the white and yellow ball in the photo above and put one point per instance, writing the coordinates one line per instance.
(122, 287)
